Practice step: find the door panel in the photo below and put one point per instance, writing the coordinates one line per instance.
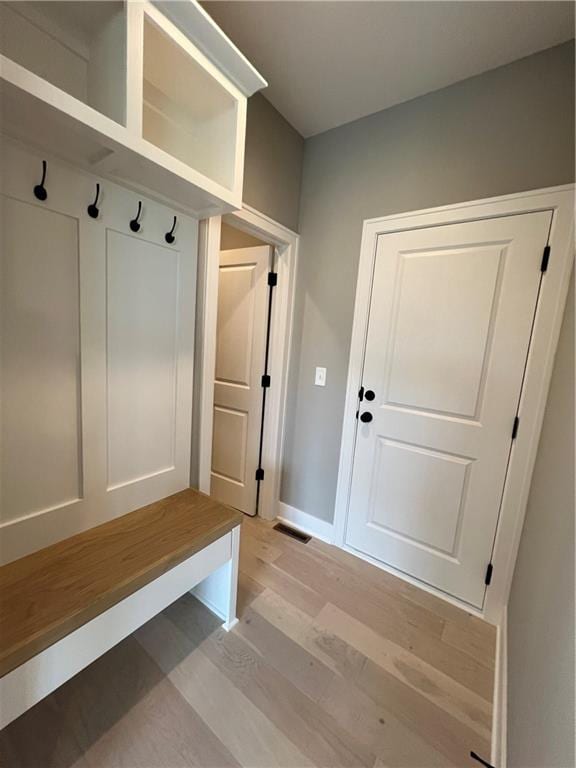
(427, 512)
(240, 347)
(435, 292)
(449, 329)
(41, 428)
(142, 326)
(230, 434)
(236, 300)
(149, 322)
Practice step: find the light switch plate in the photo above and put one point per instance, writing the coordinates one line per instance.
(320, 379)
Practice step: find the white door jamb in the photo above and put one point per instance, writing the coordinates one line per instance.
(546, 331)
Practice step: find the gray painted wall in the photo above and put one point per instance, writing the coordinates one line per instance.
(541, 607)
(232, 238)
(508, 130)
(273, 164)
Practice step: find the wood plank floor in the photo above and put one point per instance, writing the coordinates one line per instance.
(333, 663)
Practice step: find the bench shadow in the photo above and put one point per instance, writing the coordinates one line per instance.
(122, 698)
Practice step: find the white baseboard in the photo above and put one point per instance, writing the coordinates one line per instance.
(305, 522)
(500, 708)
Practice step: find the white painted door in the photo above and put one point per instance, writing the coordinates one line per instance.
(240, 350)
(448, 334)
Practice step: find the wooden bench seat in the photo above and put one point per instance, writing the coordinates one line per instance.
(50, 594)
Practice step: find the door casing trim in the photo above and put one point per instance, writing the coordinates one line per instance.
(285, 243)
(546, 330)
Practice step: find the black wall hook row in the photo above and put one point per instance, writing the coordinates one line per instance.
(93, 210)
(134, 223)
(40, 190)
(169, 236)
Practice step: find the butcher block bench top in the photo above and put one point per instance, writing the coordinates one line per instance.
(50, 593)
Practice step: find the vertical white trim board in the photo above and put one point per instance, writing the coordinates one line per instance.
(500, 705)
(313, 526)
(285, 243)
(205, 349)
(546, 330)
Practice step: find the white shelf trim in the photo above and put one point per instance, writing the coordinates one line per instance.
(201, 29)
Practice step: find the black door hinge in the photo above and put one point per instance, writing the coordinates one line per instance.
(272, 279)
(545, 259)
(259, 474)
(515, 427)
(265, 380)
(488, 577)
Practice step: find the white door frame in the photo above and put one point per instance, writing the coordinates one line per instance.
(285, 243)
(546, 331)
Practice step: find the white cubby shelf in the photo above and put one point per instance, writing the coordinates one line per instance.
(152, 95)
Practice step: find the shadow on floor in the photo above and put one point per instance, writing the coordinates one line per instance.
(92, 708)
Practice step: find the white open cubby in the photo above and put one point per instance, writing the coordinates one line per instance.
(78, 46)
(118, 88)
(186, 111)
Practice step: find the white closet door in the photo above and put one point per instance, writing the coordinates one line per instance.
(96, 351)
(240, 347)
(450, 320)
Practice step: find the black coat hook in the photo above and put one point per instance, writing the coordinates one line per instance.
(93, 207)
(169, 236)
(134, 223)
(40, 189)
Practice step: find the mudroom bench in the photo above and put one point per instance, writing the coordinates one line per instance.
(64, 606)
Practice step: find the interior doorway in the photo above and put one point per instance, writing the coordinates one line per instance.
(245, 229)
(241, 378)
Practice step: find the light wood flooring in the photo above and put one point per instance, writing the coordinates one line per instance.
(333, 663)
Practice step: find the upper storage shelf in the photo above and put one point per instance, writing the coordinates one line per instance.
(119, 88)
(73, 45)
(187, 111)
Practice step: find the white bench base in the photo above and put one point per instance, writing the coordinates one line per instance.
(211, 574)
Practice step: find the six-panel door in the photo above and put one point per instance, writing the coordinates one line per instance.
(449, 328)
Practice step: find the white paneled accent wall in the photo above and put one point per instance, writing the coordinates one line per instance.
(96, 350)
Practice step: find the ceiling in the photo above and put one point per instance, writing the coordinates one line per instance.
(332, 62)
